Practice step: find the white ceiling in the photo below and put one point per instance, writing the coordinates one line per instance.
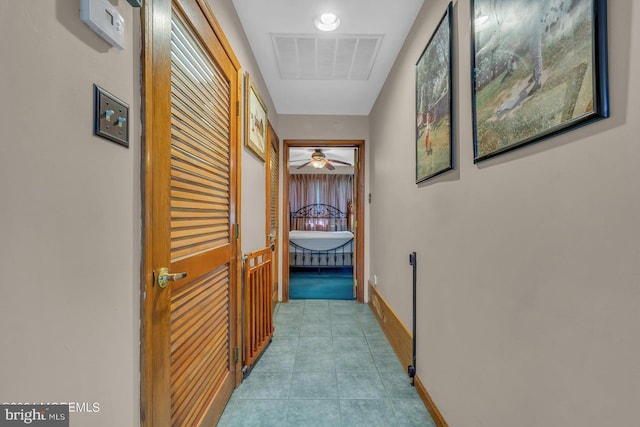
(308, 71)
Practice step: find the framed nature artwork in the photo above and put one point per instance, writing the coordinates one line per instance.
(255, 131)
(539, 68)
(434, 136)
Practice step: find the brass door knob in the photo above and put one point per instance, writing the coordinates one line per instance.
(164, 277)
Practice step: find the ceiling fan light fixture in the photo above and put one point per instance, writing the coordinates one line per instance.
(327, 22)
(318, 164)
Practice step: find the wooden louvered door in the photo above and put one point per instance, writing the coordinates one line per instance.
(273, 183)
(191, 90)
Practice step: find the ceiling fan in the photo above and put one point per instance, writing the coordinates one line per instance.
(319, 161)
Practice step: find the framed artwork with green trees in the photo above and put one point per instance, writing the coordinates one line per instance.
(539, 68)
(434, 115)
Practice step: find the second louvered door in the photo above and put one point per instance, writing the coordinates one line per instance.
(273, 201)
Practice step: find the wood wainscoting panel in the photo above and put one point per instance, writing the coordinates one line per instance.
(396, 332)
(428, 402)
(401, 341)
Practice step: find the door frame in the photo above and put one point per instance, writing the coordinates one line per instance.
(359, 168)
(154, 23)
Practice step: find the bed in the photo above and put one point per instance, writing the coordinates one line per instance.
(319, 237)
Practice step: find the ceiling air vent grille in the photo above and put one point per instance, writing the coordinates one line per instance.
(335, 57)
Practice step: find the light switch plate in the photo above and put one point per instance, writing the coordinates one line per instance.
(110, 117)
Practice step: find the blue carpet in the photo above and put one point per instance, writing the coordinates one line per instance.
(326, 284)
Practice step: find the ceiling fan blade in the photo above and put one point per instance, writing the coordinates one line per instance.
(303, 165)
(339, 161)
(329, 166)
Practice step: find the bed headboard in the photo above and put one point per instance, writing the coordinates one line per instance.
(319, 217)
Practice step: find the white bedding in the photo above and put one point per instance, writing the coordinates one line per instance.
(321, 240)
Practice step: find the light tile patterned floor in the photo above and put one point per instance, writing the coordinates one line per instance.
(329, 364)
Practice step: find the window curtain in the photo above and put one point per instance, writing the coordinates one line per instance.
(333, 190)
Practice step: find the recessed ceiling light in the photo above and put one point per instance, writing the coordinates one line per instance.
(327, 22)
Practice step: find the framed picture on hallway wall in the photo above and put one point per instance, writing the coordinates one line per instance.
(255, 119)
(434, 136)
(539, 68)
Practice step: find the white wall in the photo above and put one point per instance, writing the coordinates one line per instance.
(333, 127)
(253, 200)
(69, 215)
(528, 264)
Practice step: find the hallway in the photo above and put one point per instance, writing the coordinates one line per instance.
(329, 365)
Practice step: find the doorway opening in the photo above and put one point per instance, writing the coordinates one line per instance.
(322, 219)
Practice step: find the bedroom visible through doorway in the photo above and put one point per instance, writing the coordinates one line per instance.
(321, 215)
